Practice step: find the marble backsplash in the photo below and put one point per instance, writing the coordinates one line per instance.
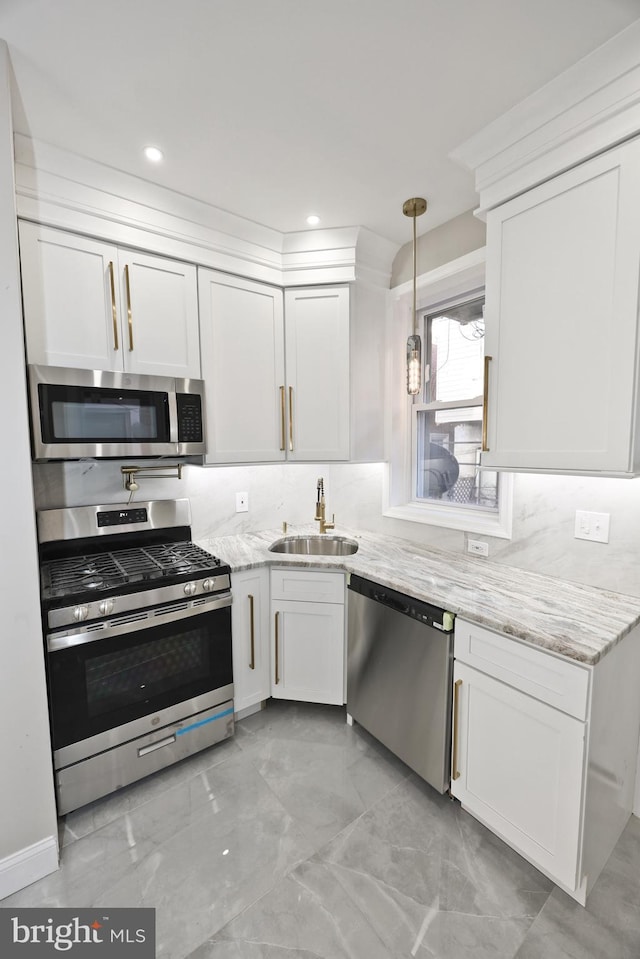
(543, 512)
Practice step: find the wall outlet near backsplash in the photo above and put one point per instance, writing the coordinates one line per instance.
(477, 547)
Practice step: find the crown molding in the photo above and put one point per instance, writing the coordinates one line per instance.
(64, 190)
(592, 106)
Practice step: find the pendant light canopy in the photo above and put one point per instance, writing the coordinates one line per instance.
(414, 207)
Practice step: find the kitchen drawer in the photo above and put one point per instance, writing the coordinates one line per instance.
(307, 585)
(546, 677)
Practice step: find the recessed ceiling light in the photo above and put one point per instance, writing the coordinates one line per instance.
(153, 154)
(313, 220)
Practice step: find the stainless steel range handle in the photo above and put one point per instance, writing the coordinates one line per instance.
(151, 748)
(133, 621)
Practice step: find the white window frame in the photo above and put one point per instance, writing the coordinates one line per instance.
(463, 277)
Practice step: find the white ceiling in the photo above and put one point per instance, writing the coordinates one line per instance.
(274, 109)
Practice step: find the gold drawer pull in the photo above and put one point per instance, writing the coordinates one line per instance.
(114, 312)
(283, 428)
(252, 664)
(291, 418)
(455, 772)
(485, 403)
(129, 316)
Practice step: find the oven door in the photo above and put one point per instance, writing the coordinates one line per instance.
(116, 672)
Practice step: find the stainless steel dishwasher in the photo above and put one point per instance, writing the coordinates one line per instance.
(399, 676)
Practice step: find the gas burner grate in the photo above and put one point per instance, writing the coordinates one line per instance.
(101, 571)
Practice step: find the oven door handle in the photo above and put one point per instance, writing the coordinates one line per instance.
(132, 622)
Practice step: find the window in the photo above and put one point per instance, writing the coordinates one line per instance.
(434, 439)
(447, 422)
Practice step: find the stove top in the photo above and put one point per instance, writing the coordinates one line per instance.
(99, 562)
(103, 572)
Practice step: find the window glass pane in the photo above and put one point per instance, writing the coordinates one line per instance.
(455, 343)
(448, 454)
(448, 441)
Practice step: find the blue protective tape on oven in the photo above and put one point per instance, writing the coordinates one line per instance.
(203, 722)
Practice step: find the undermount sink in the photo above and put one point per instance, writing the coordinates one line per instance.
(320, 545)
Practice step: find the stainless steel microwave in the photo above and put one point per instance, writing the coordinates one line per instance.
(77, 414)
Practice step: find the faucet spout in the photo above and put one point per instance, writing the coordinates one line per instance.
(320, 508)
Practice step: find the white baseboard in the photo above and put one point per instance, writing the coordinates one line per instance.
(28, 865)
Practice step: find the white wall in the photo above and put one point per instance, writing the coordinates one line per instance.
(438, 246)
(28, 830)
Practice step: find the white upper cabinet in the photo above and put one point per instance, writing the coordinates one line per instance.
(242, 330)
(90, 305)
(317, 366)
(276, 371)
(563, 263)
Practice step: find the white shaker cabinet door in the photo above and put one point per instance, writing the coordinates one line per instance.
(307, 652)
(70, 296)
(159, 309)
(90, 305)
(250, 629)
(317, 367)
(243, 367)
(518, 767)
(561, 315)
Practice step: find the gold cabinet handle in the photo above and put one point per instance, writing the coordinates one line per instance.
(455, 772)
(252, 663)
(290, 417)
(277, 660)
(127, 286)
(282, 419)
(114, 312)
(485, 403)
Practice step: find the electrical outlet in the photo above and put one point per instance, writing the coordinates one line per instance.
(242, 502)
(593, 526)
(477, 547)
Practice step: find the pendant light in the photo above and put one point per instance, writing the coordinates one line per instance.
(414, 207)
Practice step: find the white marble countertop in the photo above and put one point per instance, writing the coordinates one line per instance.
(580, 622)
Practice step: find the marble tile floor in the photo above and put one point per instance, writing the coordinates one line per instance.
(303, 838)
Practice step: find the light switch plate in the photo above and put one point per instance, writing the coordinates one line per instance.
(593, 526)
(242, 502)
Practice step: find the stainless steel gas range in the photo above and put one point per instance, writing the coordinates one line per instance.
(137, 623)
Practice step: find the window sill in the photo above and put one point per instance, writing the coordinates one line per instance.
(489, 524)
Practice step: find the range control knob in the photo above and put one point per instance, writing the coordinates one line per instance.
(106, 607)
(190, 588)
(209, 585)
(80, 613)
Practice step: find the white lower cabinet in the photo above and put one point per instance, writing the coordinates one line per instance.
(539, 756)
(250, 630)
(307, 635)
(520, 764)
